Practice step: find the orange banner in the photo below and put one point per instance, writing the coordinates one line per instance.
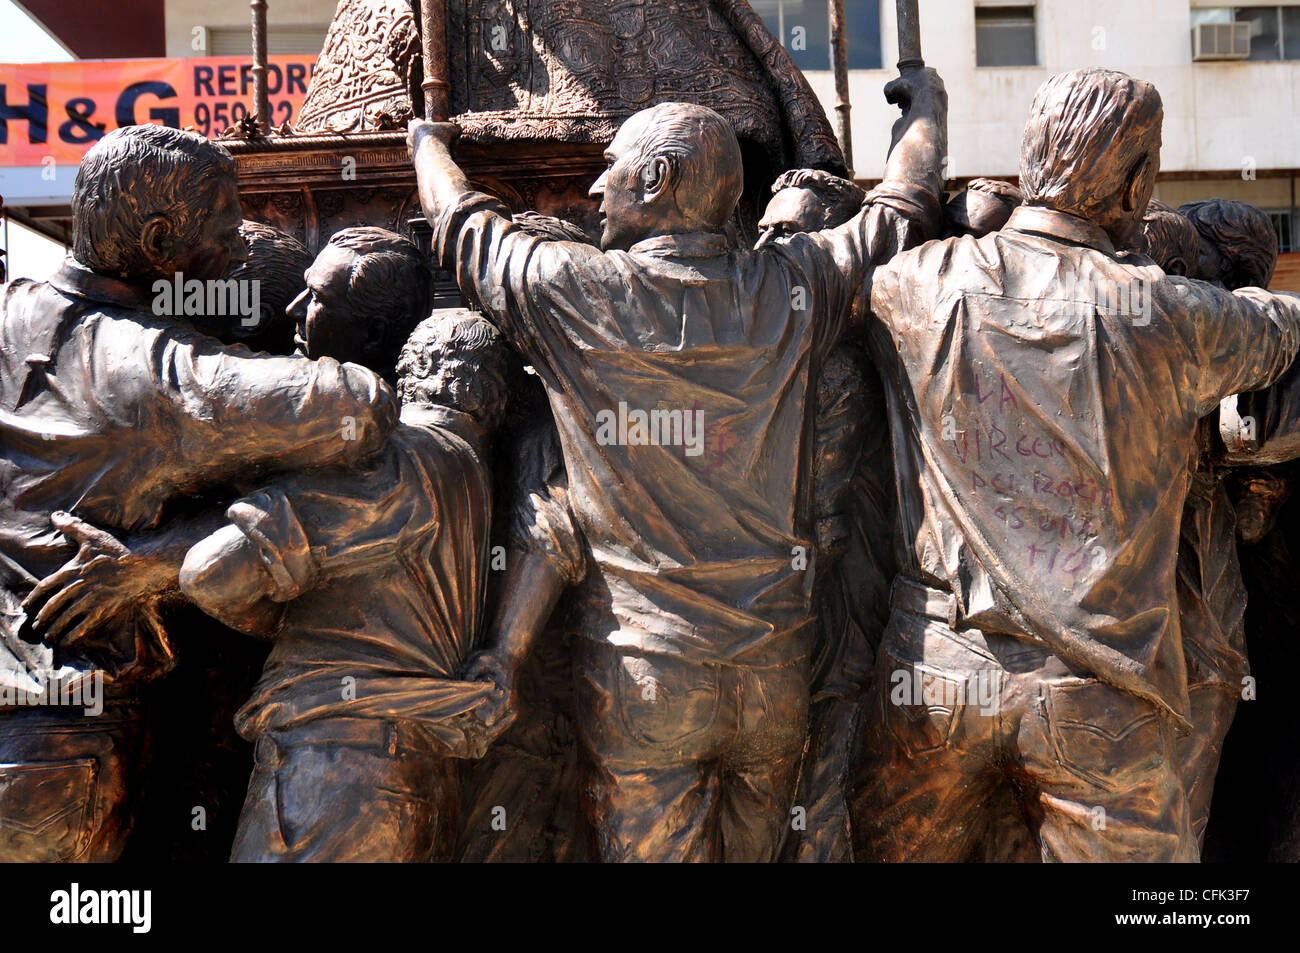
(51, 113)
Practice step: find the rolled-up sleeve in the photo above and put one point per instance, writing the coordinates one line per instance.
(268, 520)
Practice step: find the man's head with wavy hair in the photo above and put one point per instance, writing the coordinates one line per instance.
(456, 358)
(808, 200)
(366, 291)
(1092, 148)
(674, 168)
(150, 201)
(1238, 244)
(1169, 239)
(982, 207)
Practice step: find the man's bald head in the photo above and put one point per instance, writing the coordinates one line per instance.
(673, 168)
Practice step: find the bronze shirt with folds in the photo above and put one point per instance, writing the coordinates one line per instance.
(1045, 431)
(694, 555)
(109, 412)
(383, 569)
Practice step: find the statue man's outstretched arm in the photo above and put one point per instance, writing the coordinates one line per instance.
(441, 181)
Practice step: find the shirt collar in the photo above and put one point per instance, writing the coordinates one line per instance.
(447, 418)
(77, 280)
(1062, 226)
(690, 245)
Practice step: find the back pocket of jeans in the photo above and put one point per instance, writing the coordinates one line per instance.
(1102, 734)
(666, 701)
(919, 705)
(46, 809)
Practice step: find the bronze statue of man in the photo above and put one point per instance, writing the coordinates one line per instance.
(359, 712)
(1211, 592)
(369, 582)
(1247, 488)
(854, 507)
(680, 372)
(113, 408)
(1044, 413)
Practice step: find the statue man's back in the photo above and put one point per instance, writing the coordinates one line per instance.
(679, 371)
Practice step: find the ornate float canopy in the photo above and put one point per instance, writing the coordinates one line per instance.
(538, 89)
(570, 71)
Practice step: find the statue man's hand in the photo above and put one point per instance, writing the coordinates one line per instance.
(499, 712)
(918, 141)
(914, 87)
(103, 580)
(418, 130)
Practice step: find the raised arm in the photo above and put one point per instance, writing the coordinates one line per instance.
(440, 180)
(919, 145)
(901, 212)
(485, 251)
(538, 292)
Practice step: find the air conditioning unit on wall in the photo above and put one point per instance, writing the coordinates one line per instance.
(1221, 41)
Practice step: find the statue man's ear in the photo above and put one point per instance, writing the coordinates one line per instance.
(1136, 184)
(1176, 266)
(656, 178)
(156, 239)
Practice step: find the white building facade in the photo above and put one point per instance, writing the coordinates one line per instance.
(1230, 124)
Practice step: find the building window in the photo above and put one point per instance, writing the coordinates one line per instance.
(294, 40)
(1274, 31)
(1282, 224)
(1005, 36)
(804, 29)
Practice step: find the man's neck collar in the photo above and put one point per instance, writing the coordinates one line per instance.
(1061, 226)
(74, 278)
(447, 418)
(683, 245)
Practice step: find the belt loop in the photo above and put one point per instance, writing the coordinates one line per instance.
(266, 751)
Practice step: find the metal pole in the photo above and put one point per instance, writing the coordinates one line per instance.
(261, 93)
(840, 64)
(433, 34)
(1290, 227)
(909, 36)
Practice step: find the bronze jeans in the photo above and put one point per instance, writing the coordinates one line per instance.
(64, 793)
(1213, 707)
(957, 718)
(688, 761)
(347, 789)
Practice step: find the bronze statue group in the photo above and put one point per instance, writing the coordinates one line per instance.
(909, 533)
